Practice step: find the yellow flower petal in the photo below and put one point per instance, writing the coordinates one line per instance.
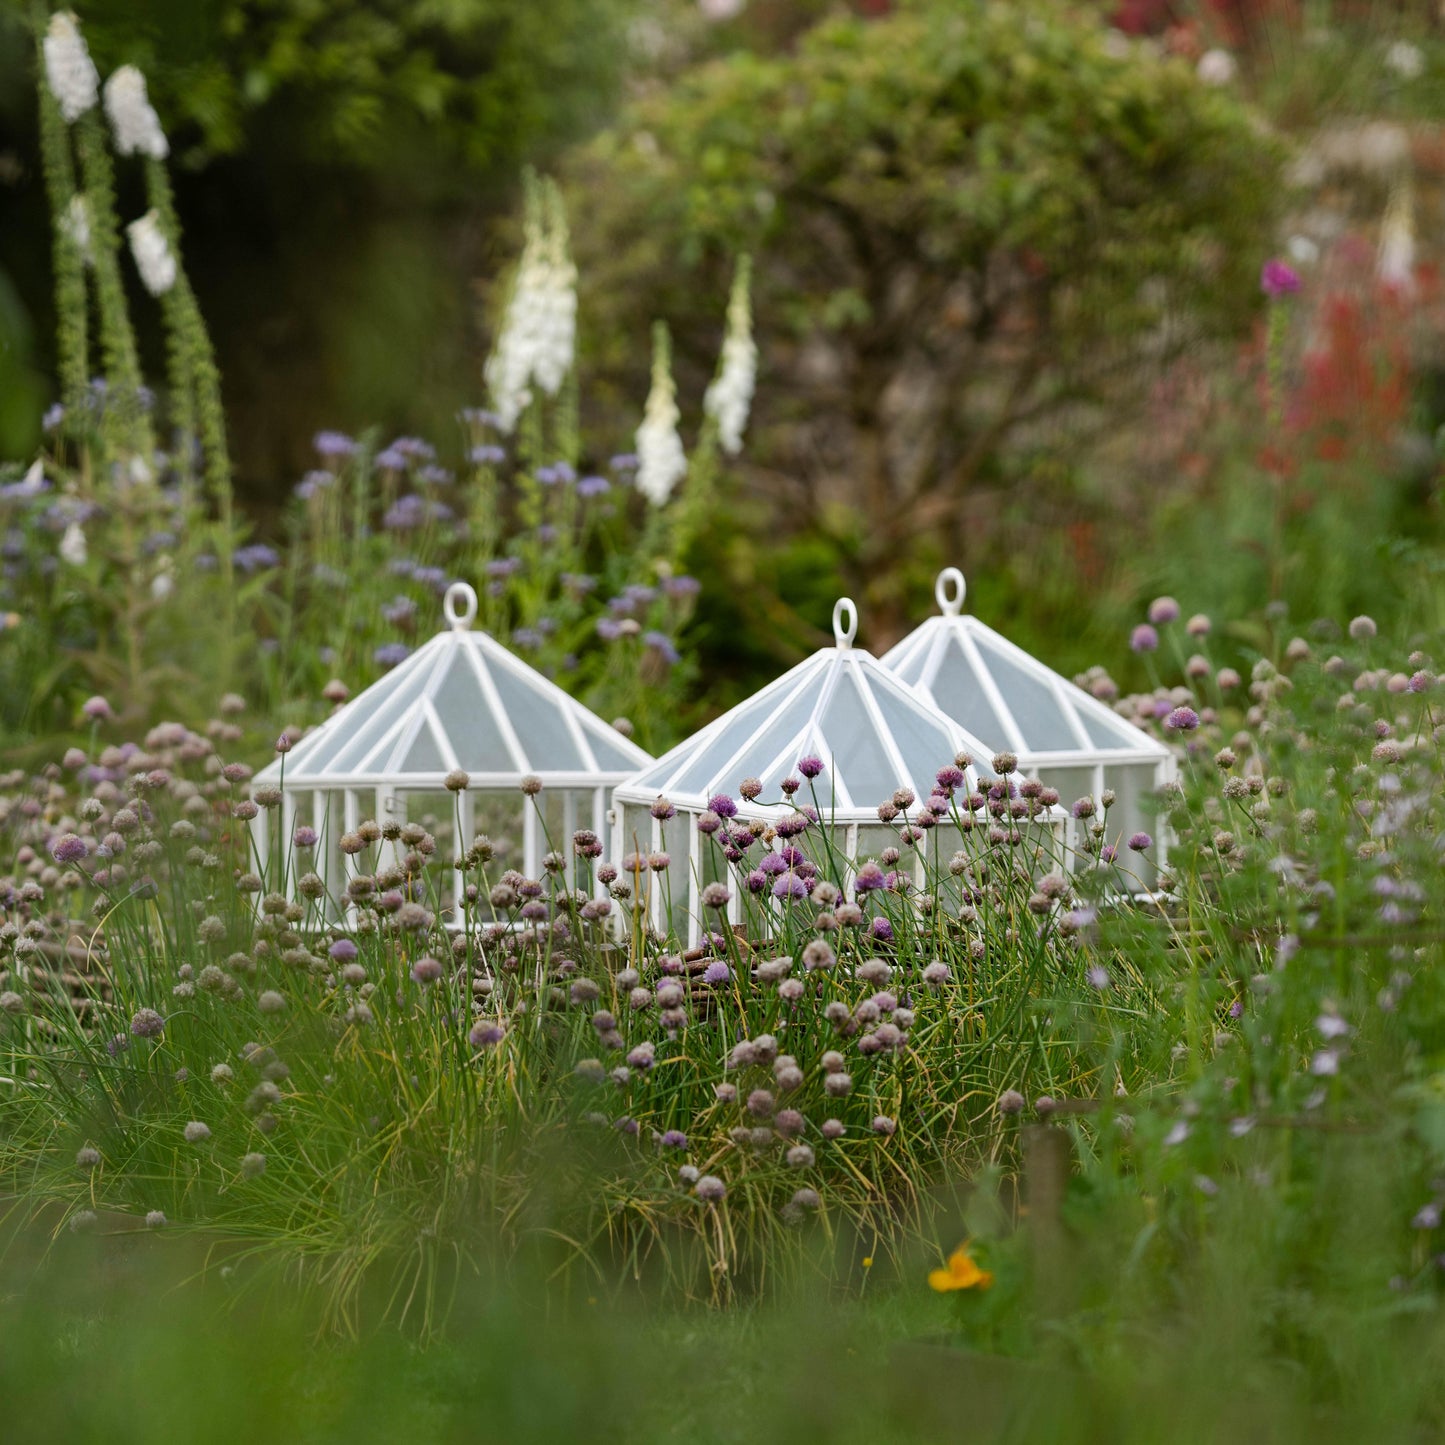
(942, 1280)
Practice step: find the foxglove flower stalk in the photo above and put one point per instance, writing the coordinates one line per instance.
(69, 70)
(1396, 265)
(72, 546)
(539, 329)
(661, 461)
(152, 252)
(730, 395)
(77, 226)
(132, 117)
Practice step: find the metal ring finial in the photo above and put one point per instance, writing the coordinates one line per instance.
(845, 632)
(460, 605)
(949, 590)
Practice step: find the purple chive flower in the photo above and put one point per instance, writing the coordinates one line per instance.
(147, 1024)
(333, 445)
(426, 970)
(97, 709)
(343, 951)
(662, 645)
(1143, 638)
(810, 766)
(710, 1189)
(789, 885)
(486, 1035)
(723, 806)
(881, 930)
(1277, 278)
(870, 877)
(1163, 610)
(256, 557)
(68, 848)
(717, 972)
(1182, 720)
(674, 1139)
(1138, 842)
(391, 654)
(304, 837)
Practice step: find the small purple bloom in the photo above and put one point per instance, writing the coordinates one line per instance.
(810, 766)
(674, 1139)
(343, 950)
(1277, 278)
(68, 848)
(1143, 638)
(1182, 720)
(333, 445)
(717, 972)
(723, 806)
(486, 1035)
(1138, 842)
(304, 837)
(391, 654)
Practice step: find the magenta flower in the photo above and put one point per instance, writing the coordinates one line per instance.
(1278, 279)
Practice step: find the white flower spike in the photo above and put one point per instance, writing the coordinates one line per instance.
(152, 252)
(661, 461)
(539, 329)
(132, 117)
(730, 395)
(69, 70)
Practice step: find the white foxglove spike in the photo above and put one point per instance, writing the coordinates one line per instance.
(152, 252)
(69, 71)
(661, 461)
(133, 119)
(730, 396)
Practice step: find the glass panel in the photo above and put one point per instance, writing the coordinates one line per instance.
(907, 659)
(858, 751)
(707, 768)
(329, 862)
(958, 692)
(606, 747)
(1133, 812)
(345, 725)
(1106, 735)
(468, 721)
(1032, 702)
(539, 724)
(1072, 783)
(425, 754)
(872, 840)
(350, 757)
(497, 816)
(925, 744)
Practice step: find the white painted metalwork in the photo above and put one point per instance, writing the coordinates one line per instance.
(1016, 703)
(460, 702)
(873, 733)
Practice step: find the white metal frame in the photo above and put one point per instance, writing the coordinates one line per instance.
(918, 659)
(820, 675)
(310, 766)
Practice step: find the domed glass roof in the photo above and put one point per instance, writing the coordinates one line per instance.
(873, 733)
(1007, 697)
(461, 701)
